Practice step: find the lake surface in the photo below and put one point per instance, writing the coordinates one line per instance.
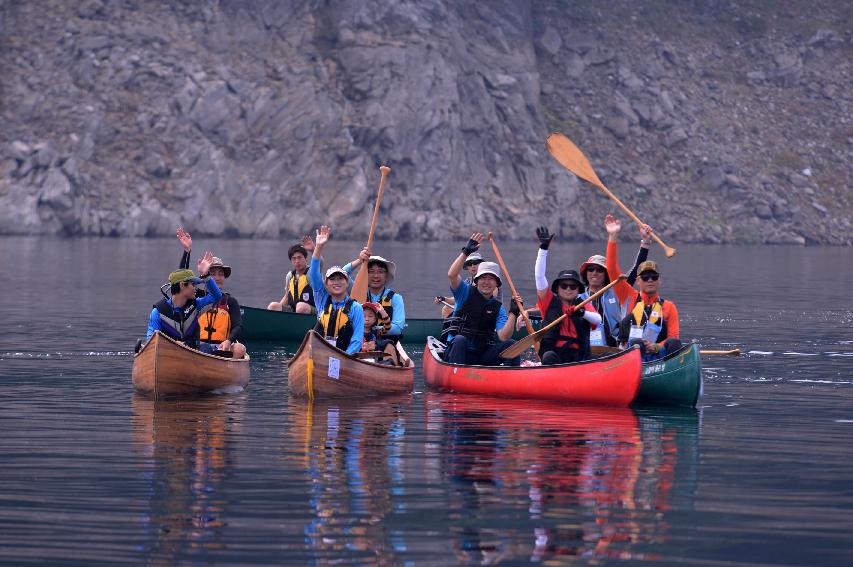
(90, 472)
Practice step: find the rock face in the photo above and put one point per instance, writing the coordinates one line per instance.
(266, 118)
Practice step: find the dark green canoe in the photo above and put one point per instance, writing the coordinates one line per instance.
(674, 380)
(266, 325)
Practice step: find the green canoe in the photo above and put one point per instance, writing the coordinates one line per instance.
(674, 380)
(266, 325)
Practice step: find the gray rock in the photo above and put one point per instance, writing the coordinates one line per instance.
(789, 69)
(575, 65)
(46, 155)
(713, 177)
(798, 181)
(824, 38)
(674, 137)
(19, 150)
(618, 126)
(755, 77)
(644, 180)
(820, 208)
(550, 40)
(621, 105)
(763, 211)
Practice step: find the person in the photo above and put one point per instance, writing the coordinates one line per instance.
(652, 322)
(569, 341)
(380, 273)
(373, 332)
(298, 296)
(613, 304)
(221, 326)
(338, 315)
(478, 315)
(178, 316)
(447, 303)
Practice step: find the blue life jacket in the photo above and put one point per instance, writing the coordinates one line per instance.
(612, 313)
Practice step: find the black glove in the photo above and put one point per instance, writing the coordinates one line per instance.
(578, 312)
(513, 308)
(471, 247)
(544, 237)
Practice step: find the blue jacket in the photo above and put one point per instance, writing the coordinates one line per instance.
(213, 296)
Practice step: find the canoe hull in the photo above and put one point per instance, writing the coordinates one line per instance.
(163, 368)
(675, 380)
(319, 370)
(612, 381)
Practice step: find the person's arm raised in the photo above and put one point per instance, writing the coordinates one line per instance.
(454, 274)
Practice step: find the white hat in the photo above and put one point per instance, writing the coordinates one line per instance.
(390, 266)
(488, 268)
(336, 270)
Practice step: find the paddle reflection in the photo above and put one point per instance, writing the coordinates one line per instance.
(186, 447)
(590, 481)
(353, 458)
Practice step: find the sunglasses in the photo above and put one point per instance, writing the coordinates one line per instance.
(650, 277)
(569, 285)
(596, 270)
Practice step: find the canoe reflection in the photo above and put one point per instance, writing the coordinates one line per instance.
(353, 457)
(186, 447)
(586, 480)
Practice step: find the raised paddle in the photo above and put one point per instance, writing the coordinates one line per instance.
(599, 350)
(359, 287)
(570, 157)
(526, 342)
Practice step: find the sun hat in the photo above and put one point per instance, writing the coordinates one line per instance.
(596, 259)
(217, 263)
(390, 266)
(336, 270)
(179, 276)
(647, 266)
(566, 275)
(372, 306)
(488, 268)
(473, 258)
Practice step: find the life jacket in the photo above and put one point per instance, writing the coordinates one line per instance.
(612, 313)
(643, 314)
(300, 290)
(215, 325)
(550, 339)
(180, 324)
(385, 302)
(336, 323)
(476, 320)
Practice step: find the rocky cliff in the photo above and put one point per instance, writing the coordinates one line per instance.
(717, 122)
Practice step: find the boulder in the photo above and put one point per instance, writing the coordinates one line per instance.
(550, 40)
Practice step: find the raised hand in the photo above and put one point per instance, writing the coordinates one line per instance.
(365, 254)
(323, 234)
(185, 239)
(308, 243)
(204, 263)
(646, 233)
(473, 243)
(612, 225)
(544, 237)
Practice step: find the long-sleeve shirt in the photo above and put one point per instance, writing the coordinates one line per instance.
(213, 296)
(623, 289)
(356, 314)
(398, 308)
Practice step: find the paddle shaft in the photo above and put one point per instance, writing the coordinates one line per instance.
(527, 322)
(670, 252)
(359, 287)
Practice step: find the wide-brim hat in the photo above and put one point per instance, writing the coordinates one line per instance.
(566, 275)
(596, 259)
(390, 266)
(473, 258)
(489, 268)
(647, 266)
(217, 263)
(336, 270)
(179, 276)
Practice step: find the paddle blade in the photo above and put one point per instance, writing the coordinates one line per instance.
(359, 287)
(518, 348)
(570, 157)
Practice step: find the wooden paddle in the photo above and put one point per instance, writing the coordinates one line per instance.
(598, 350)
(570, 157)
(522, 345)
(359, 287)
(527, 322)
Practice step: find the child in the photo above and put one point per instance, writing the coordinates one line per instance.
(373, 340)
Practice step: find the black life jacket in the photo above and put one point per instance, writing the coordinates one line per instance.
(336, 323)
(476, 320)
(300, 290)
(180, 324)
(582, 327)
(642, 314)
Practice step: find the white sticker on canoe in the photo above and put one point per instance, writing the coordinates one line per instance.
(334, 367)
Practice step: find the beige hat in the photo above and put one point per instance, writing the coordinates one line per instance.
(647, 266)
(217, 263)
(390, 266)
(489, 268)
(336, 270)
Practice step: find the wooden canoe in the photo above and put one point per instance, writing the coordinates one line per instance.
(613, 380)
(162, 367)
(319, 370)
(265, 325)
(674, 380)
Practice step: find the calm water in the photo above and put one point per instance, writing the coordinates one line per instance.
(91, 472)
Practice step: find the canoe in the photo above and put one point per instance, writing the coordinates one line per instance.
(612, 380)
(319, 370)
(674, 380)
(265, 325)
(162, 367)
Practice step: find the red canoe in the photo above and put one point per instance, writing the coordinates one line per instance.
(612, 380)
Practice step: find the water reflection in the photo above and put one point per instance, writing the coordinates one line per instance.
(186, 445)
(593, 482)
(353, 458)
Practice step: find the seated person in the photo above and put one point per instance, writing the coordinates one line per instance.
(374, 332)
(380, 273)
(298, 295)
(652, 322)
